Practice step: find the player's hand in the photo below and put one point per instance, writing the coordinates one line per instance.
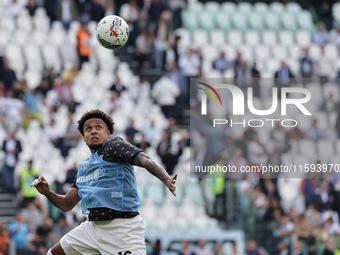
(170, 182)
(41, 185)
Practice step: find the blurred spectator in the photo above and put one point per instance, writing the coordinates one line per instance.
(27, 176)
(280, 135)
(337, 122)
(256, 152)
(221, 63)
(115, 103)
(163, 145)
(12, 148)
(162, 30)
(238, 60)
(328, 104)
(13, 111)
(4, 238)
(175, 75)
(218, 249)
(50, 7)
(165, 92)
(330, 228)
(31, 7)
(143, 144)
(34, 214)
(330, 247)
(64, 90)
(186, 249)
(248, 135)
(7, 75)
(157, 248)
(314, 132)
(176, 7)
(83, 46)
(322, 199)
(325, 68)
(54, 133)
(274, 205)
(72, 104)
(61, 228)
(18, 231)
(306, 66)
(261, 202)
(235, 249)
(189, 64)
(44, 233)
(142, 92)
(271, 190)
(252, 248)
(71, 138)
(129, 12)
(282, 249)
(143, 49)
(255, 84)
(117, 87)
(154, 12)
(172, 128)
(238, 161)
(313, 215)
(69, 179)
(275, 157)
(296, 133)
(66, 11)
(97, 10)
(243, 75)
(170, 159)
(303, 230)
(152, 132)
(131, 131)
(49, 76)
(297, 248)
(321, 35)
(14, 9)
(33, 250)
(286, 229)
(202, 248)
(33, 100)
(337, 36)
(284, 76)
(308, 186)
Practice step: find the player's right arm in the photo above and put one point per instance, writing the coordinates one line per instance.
(64, 202)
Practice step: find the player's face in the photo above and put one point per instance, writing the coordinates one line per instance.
(96, 133)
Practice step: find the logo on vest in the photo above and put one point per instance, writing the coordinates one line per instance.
(84, 166)
(96, 175)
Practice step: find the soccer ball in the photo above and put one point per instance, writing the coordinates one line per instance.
(112, 32)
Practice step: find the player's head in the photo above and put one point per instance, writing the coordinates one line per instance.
(96, 128)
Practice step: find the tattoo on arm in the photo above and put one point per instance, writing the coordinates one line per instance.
(152, 166)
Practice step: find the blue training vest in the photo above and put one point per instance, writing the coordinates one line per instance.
(107, 184)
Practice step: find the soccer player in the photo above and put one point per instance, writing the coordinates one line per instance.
(106, 185)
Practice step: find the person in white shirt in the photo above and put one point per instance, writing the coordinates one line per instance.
(321, 35)
(54, 133)
(13, 109)
(325, 67)
(189, 64)
(203, 249)
(165, 92)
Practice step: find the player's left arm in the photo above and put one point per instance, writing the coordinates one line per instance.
(143, 160)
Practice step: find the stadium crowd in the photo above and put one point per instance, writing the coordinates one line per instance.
(310, 225)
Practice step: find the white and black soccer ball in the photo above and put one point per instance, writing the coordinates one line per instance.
(112, 32)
